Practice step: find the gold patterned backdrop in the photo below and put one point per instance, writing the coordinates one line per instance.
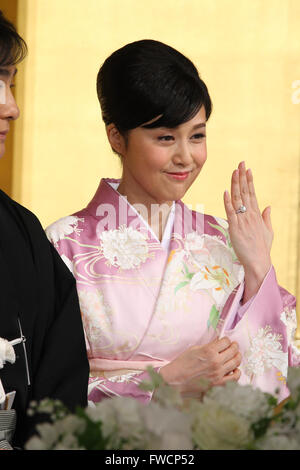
(248, 53)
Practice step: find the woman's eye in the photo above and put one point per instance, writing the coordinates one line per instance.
(198, 136)
(165, 138)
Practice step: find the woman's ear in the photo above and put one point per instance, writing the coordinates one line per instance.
(116, 139)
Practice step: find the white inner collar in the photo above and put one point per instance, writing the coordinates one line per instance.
(169, 225)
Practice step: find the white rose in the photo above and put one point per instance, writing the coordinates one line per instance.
(216, 428)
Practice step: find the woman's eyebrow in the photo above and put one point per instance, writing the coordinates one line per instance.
(4, 72)
(163, 128)
(197, 126)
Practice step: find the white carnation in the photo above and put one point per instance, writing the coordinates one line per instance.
(243, 400)
(49, 434)
(60, 435)
(278, 442)
(120, 419)
(68, 442)
(36, 443)
(70, 424)
(165, 428)
(142, 426)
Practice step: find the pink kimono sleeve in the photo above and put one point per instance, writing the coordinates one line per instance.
(266, 324)
(119, 386)
(288, 316)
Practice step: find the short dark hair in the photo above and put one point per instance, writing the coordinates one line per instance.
(13, 48)
(146, 79)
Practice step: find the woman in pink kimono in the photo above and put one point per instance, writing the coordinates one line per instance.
(188, 293)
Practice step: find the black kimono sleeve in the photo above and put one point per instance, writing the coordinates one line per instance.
(39, 294)
(61, 369)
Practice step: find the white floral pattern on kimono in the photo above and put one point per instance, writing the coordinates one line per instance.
(143, 304)
(265, 352)
(124, 248)
(66, 226)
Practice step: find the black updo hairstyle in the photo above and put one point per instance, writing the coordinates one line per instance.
(146, 79)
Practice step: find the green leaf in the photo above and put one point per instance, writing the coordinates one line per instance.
(190, 275)
(225, 233)
(213, 317)
(180, 285)
(272, 401)
(218, 227)
(156, 380)
(260, 427)
(185, 268)
(92, 437)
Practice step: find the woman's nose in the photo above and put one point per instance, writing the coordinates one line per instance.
(9, 110)
(183, 155)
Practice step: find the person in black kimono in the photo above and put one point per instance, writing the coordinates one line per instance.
(38, 299)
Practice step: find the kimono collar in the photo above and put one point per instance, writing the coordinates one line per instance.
(169, 225)
(108, 198)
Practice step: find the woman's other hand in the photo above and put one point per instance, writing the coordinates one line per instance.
(250, 232)
(217, 362)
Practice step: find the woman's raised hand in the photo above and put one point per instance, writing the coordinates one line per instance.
(216, 362)
(250, 232)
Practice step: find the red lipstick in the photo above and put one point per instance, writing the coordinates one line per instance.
(179, 176)
(3, 135)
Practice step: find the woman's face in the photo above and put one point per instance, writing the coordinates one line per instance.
(8, 108)
(159, 165)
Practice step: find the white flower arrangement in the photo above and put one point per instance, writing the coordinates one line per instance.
(228, 417)
(234, 433)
